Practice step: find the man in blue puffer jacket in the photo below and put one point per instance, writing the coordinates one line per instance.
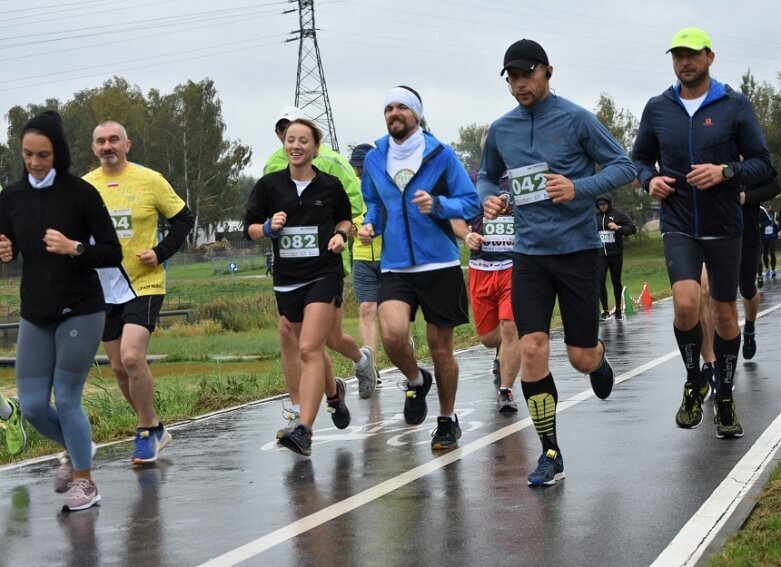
(413, 185)
(688, 155)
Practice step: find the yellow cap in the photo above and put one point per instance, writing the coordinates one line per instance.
(691, 38)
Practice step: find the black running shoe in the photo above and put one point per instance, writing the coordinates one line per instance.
(602, 378)
(689, 414)
(340, 415)
(299, 440)
(749, 346)
(446, 435)
(709, 374)
(726, 419)
(415, 408)
(619, 315)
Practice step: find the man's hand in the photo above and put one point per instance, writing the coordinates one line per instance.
(559, 188)
(613, 226)
(474, 240)
(424, 202)
(148, 258)
(705, 175)
(494, 206)
(57, 243)
(366, 234)
(6, 249)
(660, 187)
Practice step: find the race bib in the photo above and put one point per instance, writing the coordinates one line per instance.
(299, 242)
(527, 184)
(768, 230)
(499, 234)
(607, 236)
(123, 222)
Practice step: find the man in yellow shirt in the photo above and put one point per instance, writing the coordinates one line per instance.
(136, 197)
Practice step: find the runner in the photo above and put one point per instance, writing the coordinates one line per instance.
(769, 239)
(550, 148)
(749, 260)
(60, 226)
(612, 225)
(136, 197)
(11, 421)
(490, 275)
(366, 275)
(700, 215)
(307, 214)
(333, 163)
(413, 185)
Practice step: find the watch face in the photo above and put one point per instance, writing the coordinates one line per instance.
(728, 172)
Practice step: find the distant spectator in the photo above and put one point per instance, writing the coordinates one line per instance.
(613, 225)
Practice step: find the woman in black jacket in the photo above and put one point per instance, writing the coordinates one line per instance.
(61, 228)
(613, 225)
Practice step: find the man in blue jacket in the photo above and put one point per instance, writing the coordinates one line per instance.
(550, 148)
(688, 155)
(413, 185)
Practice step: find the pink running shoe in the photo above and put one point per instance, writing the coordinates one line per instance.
(82, 494)
(64, 475)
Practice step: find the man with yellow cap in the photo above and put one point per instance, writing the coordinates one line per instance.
(688, 156)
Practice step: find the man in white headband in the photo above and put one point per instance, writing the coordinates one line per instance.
(413, 185)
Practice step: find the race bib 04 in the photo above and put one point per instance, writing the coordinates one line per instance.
(607, 236)
(499, 234)
(299, 242)
(123, 222)
(527, 184)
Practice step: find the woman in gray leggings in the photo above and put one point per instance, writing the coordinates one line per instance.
(59, 224)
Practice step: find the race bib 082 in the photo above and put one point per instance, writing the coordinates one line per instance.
(299, 242)
(527, 184)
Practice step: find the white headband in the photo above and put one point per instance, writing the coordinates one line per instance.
(403, 96)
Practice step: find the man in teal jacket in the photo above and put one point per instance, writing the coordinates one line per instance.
(413, 185)
(550, 148)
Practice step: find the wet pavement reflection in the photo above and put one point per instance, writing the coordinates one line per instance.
(633, 478)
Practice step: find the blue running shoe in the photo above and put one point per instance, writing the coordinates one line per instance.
(163, 437)
(147, 447)
(550, 468)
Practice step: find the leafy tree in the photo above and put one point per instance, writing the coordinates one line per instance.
(766, 100)
(468, 146)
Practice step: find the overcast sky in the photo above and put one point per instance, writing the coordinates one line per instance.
(449, 50)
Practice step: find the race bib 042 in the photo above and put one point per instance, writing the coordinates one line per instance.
(527, 184)
(299, 242)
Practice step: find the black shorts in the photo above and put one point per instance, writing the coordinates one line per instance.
(291, 304)
(143, 310)
(685, 254)
(572, 278)
(440, 294)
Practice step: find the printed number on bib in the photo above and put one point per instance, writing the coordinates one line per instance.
(768, 230)
(123, 222)
(607, 236)
(499, 234)
(299, 242)
(527, 184)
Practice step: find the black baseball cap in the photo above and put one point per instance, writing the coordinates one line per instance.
(525, 55)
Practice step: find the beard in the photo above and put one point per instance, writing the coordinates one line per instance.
(398, 130)
(696, 80)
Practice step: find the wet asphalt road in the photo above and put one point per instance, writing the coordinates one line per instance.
(375, 494)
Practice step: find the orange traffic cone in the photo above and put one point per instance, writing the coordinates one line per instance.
(645, 297)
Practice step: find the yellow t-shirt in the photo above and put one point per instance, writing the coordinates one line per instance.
(135, 198)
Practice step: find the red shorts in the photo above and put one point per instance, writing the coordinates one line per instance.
(491, 298)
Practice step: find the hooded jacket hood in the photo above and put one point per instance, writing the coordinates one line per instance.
(604, 198)
(50, 124)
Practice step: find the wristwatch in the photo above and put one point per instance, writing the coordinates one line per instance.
(726, 171)
(79, 249)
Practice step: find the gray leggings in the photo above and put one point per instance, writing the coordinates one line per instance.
(59, 357)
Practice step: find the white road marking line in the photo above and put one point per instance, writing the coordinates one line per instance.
(266, 542)
(693, 539)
